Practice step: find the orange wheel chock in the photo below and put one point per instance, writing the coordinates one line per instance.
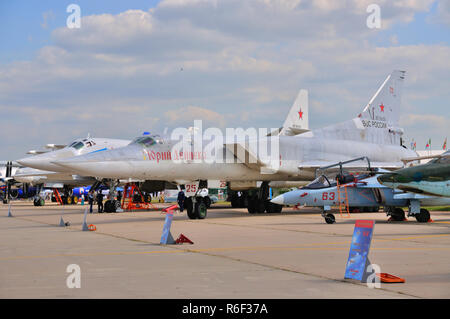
(388, 278)
(92, 227)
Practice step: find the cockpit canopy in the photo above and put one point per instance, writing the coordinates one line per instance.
(79, 144)
(320, 182)
(445, 159)
(147, 140)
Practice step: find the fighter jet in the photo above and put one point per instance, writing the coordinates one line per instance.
(348, 191)
(374, 133)
(432, 178)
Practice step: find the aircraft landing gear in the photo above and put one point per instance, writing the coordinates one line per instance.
(330, 219)
(37, 201)
(260, 203)
(423, 216)
(196, 207)
(397, 214)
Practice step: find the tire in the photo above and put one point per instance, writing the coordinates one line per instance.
(189, 208)
(35, 202)
(41, 202)
(251, 206)
(273, 208)
(423, 216)
(107, 207)
(330, 219)
(234, 202)
(69, 200)
(201, 210)
(74, 200)
(207, 201)
(269, 207)
(260, 207)
(398, 214)
(117, 205)
(278, 208)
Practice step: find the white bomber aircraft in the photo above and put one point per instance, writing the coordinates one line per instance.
(40, 171)
(374, 133)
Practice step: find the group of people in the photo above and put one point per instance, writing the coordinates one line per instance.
(99, 197)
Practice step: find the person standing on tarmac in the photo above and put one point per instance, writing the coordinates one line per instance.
(91, 201)
(100, 201)
(180, 200)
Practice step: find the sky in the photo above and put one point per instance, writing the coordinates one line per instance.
(136, 66)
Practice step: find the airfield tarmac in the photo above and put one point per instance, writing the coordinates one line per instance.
(294, 254)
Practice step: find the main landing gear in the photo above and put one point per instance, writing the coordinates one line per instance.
(260, 202)
(420, 214)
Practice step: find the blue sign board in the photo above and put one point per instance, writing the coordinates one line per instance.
(359, 249)
(166, 237)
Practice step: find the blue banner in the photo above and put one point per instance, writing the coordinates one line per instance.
(359, 249)
(166, 228)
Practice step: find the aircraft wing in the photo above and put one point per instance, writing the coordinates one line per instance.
(36, 152)
(245, 155)
(410, 196)
(55, 146)
(352, 166)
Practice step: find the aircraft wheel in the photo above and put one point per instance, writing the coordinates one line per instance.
(14, 193)
(189, 208)
(41, 202)
(107, 206)
(69, 200)
(35, 202)
(269, 207)
(260, 206)
(330, 219)
(207, 201)
(273, 208)
(200, 210)
(277, 208)
(117, 205)
(423, 216)
(74, 200)
(398, 214)
(234, 202)
(252, 206)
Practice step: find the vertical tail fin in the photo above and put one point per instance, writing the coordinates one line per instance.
(385, 105)
(379, 121)
(297, 119)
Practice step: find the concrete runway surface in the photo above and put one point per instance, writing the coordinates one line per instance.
(294, 254)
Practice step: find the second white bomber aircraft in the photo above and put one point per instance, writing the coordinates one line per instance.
(39, 170)
(374, 133)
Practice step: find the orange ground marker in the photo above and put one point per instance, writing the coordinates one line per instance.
(388, 278)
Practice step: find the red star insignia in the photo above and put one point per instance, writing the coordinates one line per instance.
(382, 107)
(300, 114)
(391, 89)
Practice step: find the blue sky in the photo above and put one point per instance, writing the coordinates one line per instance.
(22, 31)
(243, 63)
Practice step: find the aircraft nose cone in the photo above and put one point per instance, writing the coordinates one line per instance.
(28, 161)
(278, 200)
